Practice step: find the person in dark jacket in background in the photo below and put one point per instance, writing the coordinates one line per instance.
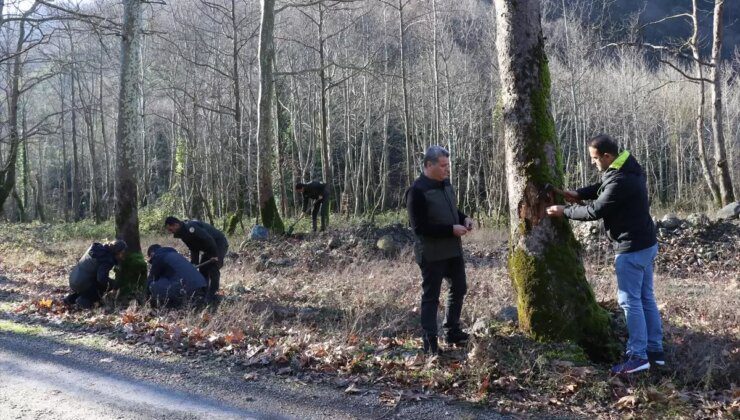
(621, 200)
(89, 279)
(207, 245)
(319, 193)
(172, 280)
(438, 226)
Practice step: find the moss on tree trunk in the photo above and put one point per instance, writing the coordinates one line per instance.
(131, 276)
(271, 217)
(554, 299)
(234, 220)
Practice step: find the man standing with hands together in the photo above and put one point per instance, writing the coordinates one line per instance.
(438, 226)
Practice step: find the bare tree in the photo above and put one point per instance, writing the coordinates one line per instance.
(695, 51)
(727, 195)
(8, 170)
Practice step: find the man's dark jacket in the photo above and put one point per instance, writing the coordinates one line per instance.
(93, 267)
(620, 199)
(312, 191)
(202, 237)
(169, 265)
(432, 209)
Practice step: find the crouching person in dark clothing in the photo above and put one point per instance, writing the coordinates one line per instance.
(172, 280)
(208, 247)
(89, 279)
(438, 226)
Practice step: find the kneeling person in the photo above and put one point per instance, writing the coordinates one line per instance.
(172, 279)
(89, 279)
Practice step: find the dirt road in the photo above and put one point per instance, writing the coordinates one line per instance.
(47, 373)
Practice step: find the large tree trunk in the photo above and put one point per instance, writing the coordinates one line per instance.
(133, 270)
(265, 129)
(554, 300)
(727, 194)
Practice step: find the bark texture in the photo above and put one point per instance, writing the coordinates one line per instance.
(554, 300)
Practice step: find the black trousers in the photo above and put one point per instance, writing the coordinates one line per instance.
(432, 273)
(212, 274)
(91, 295)
(321, 207)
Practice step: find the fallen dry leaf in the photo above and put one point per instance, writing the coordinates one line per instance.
(129, 318)
(571, 387)
(390, 398)
(626, 402)
(414, 396)
(235, 337)
(654, 395)
(484, 385)
(353, 389)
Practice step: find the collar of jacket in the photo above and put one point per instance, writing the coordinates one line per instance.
(432, 183)
(619, 161)
(613, 169)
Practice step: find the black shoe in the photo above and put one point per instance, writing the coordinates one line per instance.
(656, 358)
(457, 337)
(431, 345)
(213, 302)
(70, 299)
(84, 303)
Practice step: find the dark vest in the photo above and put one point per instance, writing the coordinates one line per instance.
(441, 210)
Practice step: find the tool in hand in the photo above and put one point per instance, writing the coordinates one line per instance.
(290, 229)
(551, 188)
(214, 259)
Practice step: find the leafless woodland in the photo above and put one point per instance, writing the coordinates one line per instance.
(360, 89)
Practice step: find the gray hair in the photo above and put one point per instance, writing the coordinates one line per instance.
(433, 154)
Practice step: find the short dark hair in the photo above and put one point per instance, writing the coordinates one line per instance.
(172, 220)
(604, 144)
(299, 185)
(433, 154)
(119, 245)
(152, 249)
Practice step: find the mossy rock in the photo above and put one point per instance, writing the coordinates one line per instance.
(387, 244)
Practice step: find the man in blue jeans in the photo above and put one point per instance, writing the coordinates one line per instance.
(621, 200)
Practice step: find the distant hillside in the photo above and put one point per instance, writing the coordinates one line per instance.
(653, 10)
(679, 29)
